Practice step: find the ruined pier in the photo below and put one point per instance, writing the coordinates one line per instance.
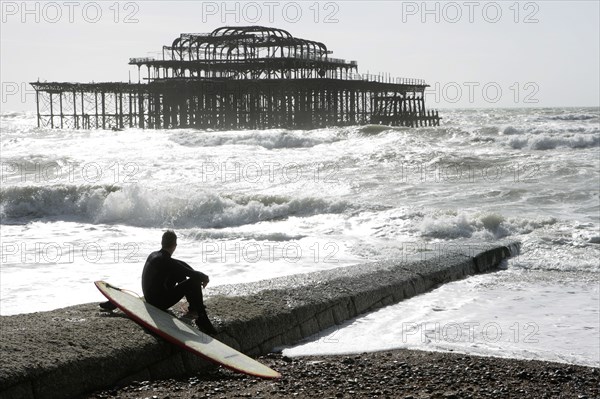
(237, 78)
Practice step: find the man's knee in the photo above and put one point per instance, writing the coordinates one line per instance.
(196, 281)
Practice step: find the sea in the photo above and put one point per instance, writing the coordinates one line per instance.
(78, 206)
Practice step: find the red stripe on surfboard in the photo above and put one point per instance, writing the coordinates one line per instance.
(170, 338)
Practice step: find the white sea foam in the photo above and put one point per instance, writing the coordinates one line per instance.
(483, 317)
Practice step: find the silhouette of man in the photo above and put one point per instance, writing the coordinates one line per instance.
(165, 280)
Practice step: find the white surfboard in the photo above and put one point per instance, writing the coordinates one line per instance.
(182, 334)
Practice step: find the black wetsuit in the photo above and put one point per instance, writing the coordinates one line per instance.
(166, 280)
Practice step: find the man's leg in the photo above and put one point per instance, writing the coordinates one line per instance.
(168, 298)
(192, 289)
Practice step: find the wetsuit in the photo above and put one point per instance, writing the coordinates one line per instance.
(166, 280)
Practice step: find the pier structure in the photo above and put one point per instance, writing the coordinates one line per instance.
(250, 77)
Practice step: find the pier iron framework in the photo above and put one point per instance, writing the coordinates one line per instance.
(250, 77)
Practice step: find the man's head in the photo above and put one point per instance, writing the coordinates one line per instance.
(169, 241)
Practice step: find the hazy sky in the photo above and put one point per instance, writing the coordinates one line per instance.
(473, 54)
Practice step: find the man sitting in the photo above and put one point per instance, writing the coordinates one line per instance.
(165, 280)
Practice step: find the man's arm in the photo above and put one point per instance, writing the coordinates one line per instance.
(188, 271)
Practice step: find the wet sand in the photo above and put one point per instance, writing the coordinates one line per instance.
(391, 374)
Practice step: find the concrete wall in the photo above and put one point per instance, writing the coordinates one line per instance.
(66, 352)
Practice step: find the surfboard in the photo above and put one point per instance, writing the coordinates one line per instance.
(179, 333)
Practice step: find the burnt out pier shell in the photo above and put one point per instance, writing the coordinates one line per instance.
(249, 77)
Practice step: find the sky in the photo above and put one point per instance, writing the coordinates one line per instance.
(473, 54)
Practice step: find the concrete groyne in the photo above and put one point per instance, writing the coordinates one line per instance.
(67, 352)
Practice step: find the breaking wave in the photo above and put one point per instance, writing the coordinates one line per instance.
(64, 200)
(572, 117)
(135, 206)
(372, 130)
(549, 142)
(207, 235)
(269, 139)
(485, 226)
(17, 115)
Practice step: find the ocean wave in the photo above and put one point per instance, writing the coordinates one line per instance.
(463, 226)
(483, 226)
(37, 165)
(540, 129)
(211, 235)
(269, 139)
(372, 130)
(509, 130)
(559, 250)
(211, 210)
(133, 205)
(487, 130)
(17, 115)
(37, 201)
(572, 117)
(550, 142)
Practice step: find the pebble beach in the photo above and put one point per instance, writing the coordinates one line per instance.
(391, 374)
